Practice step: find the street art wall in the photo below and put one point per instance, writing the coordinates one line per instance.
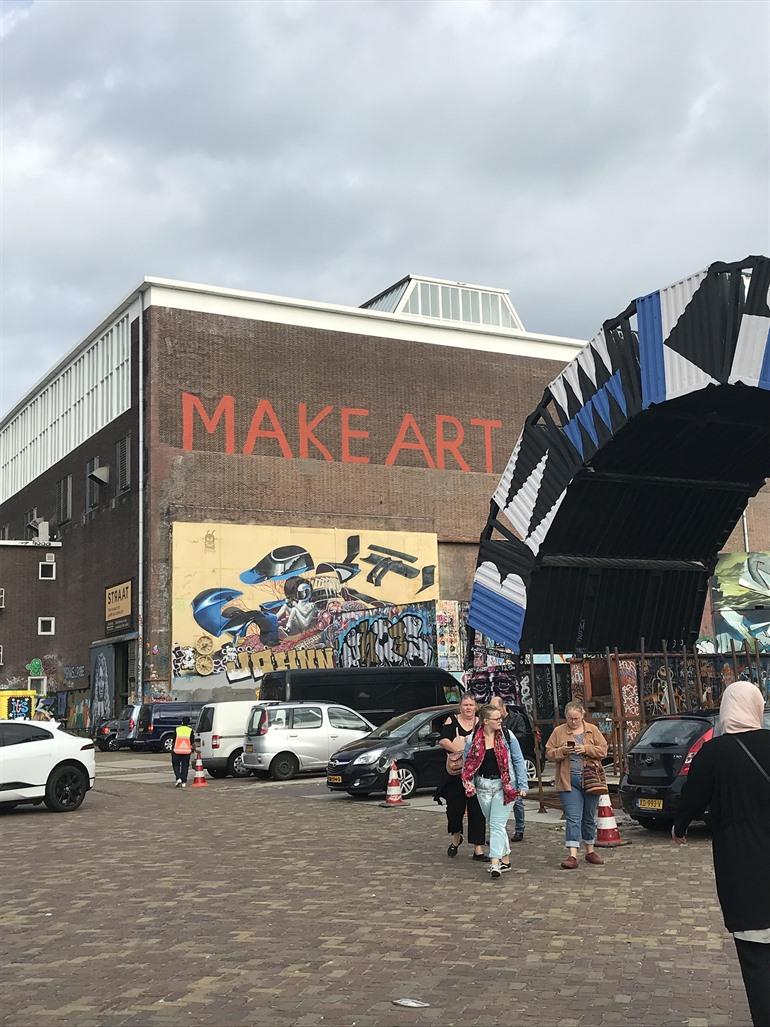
(247, 599)
(740, 600)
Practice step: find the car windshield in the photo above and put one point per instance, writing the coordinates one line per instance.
(673, 733)
(398, 727)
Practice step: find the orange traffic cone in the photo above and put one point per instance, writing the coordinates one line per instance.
(199, 778)
(393, 792)
(607, 833)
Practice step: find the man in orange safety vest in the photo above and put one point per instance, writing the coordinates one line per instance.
(181, 752)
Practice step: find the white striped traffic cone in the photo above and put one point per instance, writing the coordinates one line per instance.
(607, 833)
(393, 792)
(199, 778)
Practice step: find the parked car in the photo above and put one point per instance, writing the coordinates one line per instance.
(376, 693)
(128, 722)
(528, 737)
(410, 739)
(41, 763)
(659, 761)
(285, 738)
(220, 732)
(105, 736)
(157, 723)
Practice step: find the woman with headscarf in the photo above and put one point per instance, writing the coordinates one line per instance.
(730, 777)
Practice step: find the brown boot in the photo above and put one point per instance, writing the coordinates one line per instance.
(570, 863)
(594, 859)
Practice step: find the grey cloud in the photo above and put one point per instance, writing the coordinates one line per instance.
(575, 153)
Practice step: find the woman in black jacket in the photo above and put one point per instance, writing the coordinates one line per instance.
(730, 777)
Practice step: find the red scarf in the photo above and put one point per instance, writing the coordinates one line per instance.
(475, 758)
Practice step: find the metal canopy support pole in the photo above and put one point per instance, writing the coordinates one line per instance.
(538, 763)
(556, 717)
(669, 683)
(685, 670)
(734, 659)
(642, 710)
(622, 707)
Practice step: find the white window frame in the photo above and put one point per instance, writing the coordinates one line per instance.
(38, 684)
(45, 566)
(2, 598)
(1, 655)
(40, 625)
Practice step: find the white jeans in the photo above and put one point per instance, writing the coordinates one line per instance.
(490, 796)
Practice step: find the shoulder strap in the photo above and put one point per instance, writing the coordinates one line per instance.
(507, 734)
(755, 761)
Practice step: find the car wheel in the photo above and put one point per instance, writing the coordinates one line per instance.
(654, 824)
(101, 747)
(167, 744)
(284, 767)
(66, 788)
(407, 779)
(235, 765)
(531, 770)
(217, 771)
(112, 744)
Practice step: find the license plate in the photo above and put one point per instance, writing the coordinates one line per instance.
(334, 779)
(249, 748)
(649, 803)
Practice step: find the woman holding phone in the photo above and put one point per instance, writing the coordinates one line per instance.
(568, 747)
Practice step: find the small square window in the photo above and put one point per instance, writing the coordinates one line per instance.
(47, 571)
(46, 625)
(39, 685)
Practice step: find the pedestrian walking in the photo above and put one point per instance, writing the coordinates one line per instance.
(730, 777)
(494, 771)
(181, 752)
(571, 747)
(513, 724)
(456, 728)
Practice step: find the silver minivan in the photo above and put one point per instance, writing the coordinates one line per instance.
(285, 738)
(128, 722)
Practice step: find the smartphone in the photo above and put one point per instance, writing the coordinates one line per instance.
(570, 745)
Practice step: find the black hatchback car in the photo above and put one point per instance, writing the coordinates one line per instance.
(659, 761)
(410, 739)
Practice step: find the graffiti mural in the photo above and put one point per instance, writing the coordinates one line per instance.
(740, 600)
(79, 713)
(394, 637)
(247, 599)
(449, 647)
(102, 683)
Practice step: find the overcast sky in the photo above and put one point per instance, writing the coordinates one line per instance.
(577, 154)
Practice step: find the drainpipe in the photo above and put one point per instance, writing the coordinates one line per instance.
(140, 449)
(745, 521)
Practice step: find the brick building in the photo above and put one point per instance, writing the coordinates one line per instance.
(228, 474)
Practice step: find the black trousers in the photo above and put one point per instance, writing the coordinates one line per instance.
(181, 765)
(754, 958)
(457, 805)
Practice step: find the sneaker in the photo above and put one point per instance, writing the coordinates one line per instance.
(518, 837)
(570, 863)
(184, 784)
(594, 859)
(480, 857)
(504, 868)
(495, 872)
(178, 783)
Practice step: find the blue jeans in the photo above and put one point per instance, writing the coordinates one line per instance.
(490, 796)
(518, 816)
(580, 811)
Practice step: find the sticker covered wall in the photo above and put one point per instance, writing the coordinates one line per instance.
(247, 599)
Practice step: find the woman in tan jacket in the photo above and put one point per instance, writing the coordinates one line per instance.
(569, 745)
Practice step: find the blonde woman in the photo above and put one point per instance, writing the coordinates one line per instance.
(494, 771)
(457, 727)
(568, 747)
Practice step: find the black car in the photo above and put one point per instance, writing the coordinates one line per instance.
(410, 739)
(105, 736)
(659, 761)
(157, 723)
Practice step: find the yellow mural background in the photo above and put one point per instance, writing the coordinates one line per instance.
(213, 555)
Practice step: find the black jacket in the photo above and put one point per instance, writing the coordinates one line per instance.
(724, 780)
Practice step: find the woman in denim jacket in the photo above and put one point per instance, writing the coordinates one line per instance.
(494, 771)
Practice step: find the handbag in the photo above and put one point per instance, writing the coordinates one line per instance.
(594, 781)
(454, 763)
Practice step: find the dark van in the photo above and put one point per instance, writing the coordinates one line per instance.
(158, 721)
(377, 693)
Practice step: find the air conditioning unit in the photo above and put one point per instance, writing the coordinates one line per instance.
(100, 475)
(50, 557)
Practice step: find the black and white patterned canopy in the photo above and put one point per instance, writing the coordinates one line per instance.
(633, 471)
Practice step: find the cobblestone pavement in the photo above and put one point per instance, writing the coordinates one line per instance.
(250, 903)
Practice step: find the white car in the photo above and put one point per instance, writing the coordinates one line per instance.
(41, 763)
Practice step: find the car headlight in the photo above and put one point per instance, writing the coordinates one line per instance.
(368, 757)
